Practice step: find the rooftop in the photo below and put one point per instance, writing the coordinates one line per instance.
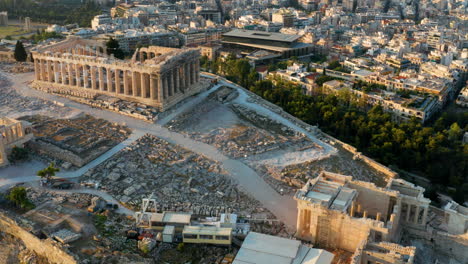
(207, 230)
(255, 34)
(265, 249)
(330, 192)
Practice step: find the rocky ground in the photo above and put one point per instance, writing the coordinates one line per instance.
(294, 176)
(12, 250)
(236, 130)
(15, 105)
(180, 179)
(19, 67)
(103, 237)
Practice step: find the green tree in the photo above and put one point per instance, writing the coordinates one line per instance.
(454, 132)
(20, 53)
(48, 172)
(333, 65)
(18, 154)
(18, 196)
(113, 47)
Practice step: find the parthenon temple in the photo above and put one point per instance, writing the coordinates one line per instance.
(156, 76)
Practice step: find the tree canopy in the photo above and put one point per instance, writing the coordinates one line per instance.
(113, 47)
(20, 53)
(18, 196)
(48, 172)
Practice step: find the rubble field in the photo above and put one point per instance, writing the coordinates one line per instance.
(76, 141)
(179, 179)
(234, 129)
(101, 237)
(15, 105)
(291, 177)
(17, 67)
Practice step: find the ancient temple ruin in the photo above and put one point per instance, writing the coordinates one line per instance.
(156, 76)
(12, 133)
(335, 211)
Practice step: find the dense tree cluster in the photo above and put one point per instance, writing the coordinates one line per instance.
(435, 151)
(52, 11)
(44, 35)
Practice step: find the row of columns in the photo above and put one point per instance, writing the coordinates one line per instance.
(125, 82)
(413, 212)
(11, 133)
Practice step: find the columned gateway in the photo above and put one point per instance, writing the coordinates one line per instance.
(162, 79)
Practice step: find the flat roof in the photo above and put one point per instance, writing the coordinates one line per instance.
(256, 34)
(168, 230)
(170, 217)
(207, 230)
(265, 249)
(296, 45)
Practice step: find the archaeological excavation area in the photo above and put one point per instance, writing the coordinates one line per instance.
(75, 141)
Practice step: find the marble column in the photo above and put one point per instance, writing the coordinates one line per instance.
(70, 74)
(43, 70)
(63, 68)
(408, 212)
(180, 76)
(93, 77)
(192, 73)
(153, 87)
(160, 88)
(126, 82)
(175, 73)
(110, 87)
(117, 82)
(165, 86)
(145, 86)
(85, 76)
(101, 79)
(197, 70)
(424, 217)
(135, 83)
(37, 69)
(78, 75)
(416, 215)
(19, 130)
(57, 72)
(299, 221)
(186, 76)
(50, 72)
(170, 81)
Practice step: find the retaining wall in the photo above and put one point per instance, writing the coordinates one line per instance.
(47, 248)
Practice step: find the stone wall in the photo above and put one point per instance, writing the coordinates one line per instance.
(390, 174)
(46, 248)
(334, 229)
(373, 200)
(453, 246)
(58, 153)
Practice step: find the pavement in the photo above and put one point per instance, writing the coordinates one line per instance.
(283, 207)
